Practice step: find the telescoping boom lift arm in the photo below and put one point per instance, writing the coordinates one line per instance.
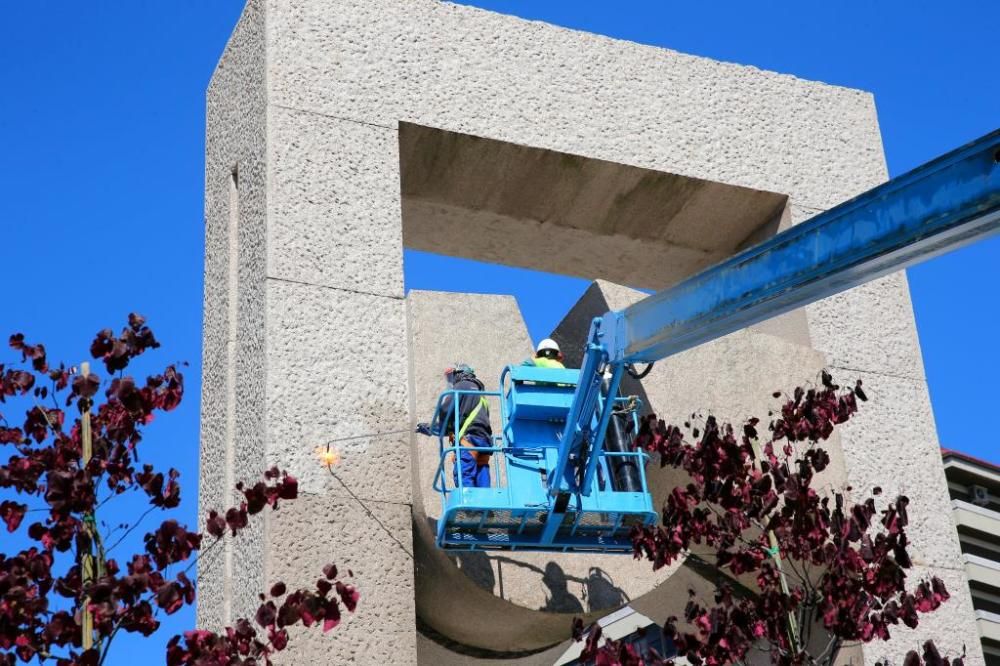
(937, 207)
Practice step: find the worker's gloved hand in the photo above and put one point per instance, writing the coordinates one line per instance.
(424, 429)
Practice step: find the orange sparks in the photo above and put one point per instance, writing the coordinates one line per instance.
(328, 456)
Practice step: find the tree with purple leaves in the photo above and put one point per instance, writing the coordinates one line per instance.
(803, 574)
(63, 598)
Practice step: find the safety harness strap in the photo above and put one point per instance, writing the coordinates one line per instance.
(470, 418)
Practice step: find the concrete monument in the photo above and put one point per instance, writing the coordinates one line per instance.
(340, 132)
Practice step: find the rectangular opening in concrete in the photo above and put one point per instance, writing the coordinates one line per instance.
(504, 203)
(485, 216)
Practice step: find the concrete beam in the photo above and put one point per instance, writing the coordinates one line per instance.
(472, 197)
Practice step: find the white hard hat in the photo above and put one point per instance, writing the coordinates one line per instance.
(547, 343)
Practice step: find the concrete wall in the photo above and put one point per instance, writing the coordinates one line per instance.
(305, 333)
(276, 327)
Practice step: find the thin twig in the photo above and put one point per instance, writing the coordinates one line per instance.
(45, 415)
(130, 529)
(52, 394)
(107, 645)
(802, 577)
(107, 499)
(203, 553)
(207, 562)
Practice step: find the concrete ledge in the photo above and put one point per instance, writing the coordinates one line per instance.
(976, 517)
(468, 70)
(989, 624)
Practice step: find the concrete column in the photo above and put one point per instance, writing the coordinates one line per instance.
(232, 436)
(869, 333)
(336, 370)
(305, 337)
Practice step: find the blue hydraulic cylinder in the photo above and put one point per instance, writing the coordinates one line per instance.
(937, 207)
(579, 422)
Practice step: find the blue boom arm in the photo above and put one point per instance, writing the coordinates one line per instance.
(937, 207)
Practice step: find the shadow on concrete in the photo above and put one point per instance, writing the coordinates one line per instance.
(599, 589)
(602, 592)
(476, 565)
(482, 654)
(452, 609)
(559, 600)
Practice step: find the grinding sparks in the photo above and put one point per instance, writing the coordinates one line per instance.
(328, 456)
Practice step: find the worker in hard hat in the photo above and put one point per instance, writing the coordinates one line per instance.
(473, 432)
(547, 355)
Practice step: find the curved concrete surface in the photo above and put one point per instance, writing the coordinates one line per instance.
(508, 602)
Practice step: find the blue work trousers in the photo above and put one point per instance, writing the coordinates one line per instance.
(473, 475)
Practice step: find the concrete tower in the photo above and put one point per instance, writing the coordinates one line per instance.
(341, 131)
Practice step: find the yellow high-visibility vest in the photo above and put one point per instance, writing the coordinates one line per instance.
(542, 362)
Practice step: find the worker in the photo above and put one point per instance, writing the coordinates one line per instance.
(474, 430)
(547, 355)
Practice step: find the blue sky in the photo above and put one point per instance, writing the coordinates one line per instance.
(101, 159)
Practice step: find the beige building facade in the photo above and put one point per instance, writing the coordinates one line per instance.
(340, 132)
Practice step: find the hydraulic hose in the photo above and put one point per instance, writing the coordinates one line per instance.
(624, 469)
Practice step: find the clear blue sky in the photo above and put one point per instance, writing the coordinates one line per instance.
(101, 158)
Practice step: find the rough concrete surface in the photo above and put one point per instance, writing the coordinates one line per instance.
(467, 70)
(898, 416)
(485, 236)
(604, 198)
(869, 333)
(335, 372)
(365, 538)
(947, 626)
(305, 328)
(333, 203)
